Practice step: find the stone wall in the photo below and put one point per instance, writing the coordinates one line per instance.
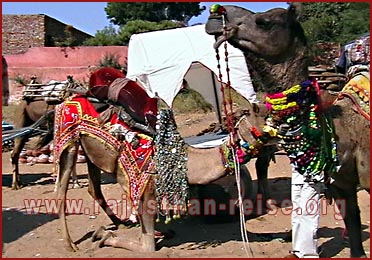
(21, 32)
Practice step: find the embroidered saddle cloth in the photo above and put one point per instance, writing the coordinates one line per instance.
(78, 116)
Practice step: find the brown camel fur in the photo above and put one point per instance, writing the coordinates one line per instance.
(27, 113)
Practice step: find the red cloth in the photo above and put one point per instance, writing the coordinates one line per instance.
(104, 77)
(132, 96)
(76, 116)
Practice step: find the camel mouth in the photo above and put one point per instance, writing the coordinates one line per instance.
(219, 40)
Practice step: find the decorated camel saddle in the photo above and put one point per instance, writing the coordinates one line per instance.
(130, 109)
(358, 89)
(137, 109)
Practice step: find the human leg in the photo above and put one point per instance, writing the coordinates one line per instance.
(305, 219)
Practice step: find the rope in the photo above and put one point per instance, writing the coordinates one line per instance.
(243, 230)
(229, 114)
(357, 107)
(228, 111)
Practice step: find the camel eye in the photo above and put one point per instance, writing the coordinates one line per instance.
(264, 24)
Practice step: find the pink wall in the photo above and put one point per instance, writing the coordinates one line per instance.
(56, 63)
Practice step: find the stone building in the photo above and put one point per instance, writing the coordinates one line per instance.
(21, 32)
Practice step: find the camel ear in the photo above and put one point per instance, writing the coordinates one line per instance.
(295, 10)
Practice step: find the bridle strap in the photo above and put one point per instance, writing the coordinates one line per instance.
(226, 95)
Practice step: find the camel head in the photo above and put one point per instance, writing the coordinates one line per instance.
(273, 40)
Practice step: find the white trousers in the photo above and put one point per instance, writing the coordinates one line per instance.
(305, 219)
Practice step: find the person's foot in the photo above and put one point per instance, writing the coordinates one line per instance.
(291, 256)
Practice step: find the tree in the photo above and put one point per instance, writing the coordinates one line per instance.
(354, 21)
(106, 37)
(120, 13)
(137, 17)
(140, 26)
(331, 24)
(69, 40)
(335, 21)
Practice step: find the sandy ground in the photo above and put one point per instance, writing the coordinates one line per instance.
(39, 234)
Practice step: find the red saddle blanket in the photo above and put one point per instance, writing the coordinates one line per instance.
(78, 116)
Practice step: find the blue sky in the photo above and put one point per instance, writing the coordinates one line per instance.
(91, 16)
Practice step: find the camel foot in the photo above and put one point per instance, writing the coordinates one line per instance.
(99, 233)
(107, 235)
(17, 185)
(71, 247)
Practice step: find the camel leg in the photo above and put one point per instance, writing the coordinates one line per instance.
(19, 143)
(262, 167)
(94, 189)
(75, 181)
(147, 220)
(66, 166)
(347, 202)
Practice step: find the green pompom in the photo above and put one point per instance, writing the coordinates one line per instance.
(214, 8)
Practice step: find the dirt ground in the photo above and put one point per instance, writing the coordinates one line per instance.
(39, 235)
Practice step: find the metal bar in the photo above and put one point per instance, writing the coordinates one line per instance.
(40, 85)
(43, 90)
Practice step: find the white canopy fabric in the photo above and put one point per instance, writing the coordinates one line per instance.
(160, 60)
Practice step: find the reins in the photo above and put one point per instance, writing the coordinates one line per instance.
(226, 97)
(233, 142)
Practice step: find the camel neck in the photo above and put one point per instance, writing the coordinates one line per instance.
(274, 77)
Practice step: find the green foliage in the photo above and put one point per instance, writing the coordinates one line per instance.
(138, 17)
(21, 80)
(189, 100)
(354, 21)
(110, 60)
(140, 26)
(335, 21)
(69, 40)
(106, 37)
(121, 13)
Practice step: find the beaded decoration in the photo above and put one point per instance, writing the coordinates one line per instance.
(172, 189)
(294, 117)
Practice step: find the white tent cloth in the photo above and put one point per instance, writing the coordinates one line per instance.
(160, 60)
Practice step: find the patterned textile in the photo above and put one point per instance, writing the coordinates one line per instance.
(358, 90)
(78, 116)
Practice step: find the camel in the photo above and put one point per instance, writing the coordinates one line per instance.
(28, 114)
(107, 153)
(37, 112)
(275, 48)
